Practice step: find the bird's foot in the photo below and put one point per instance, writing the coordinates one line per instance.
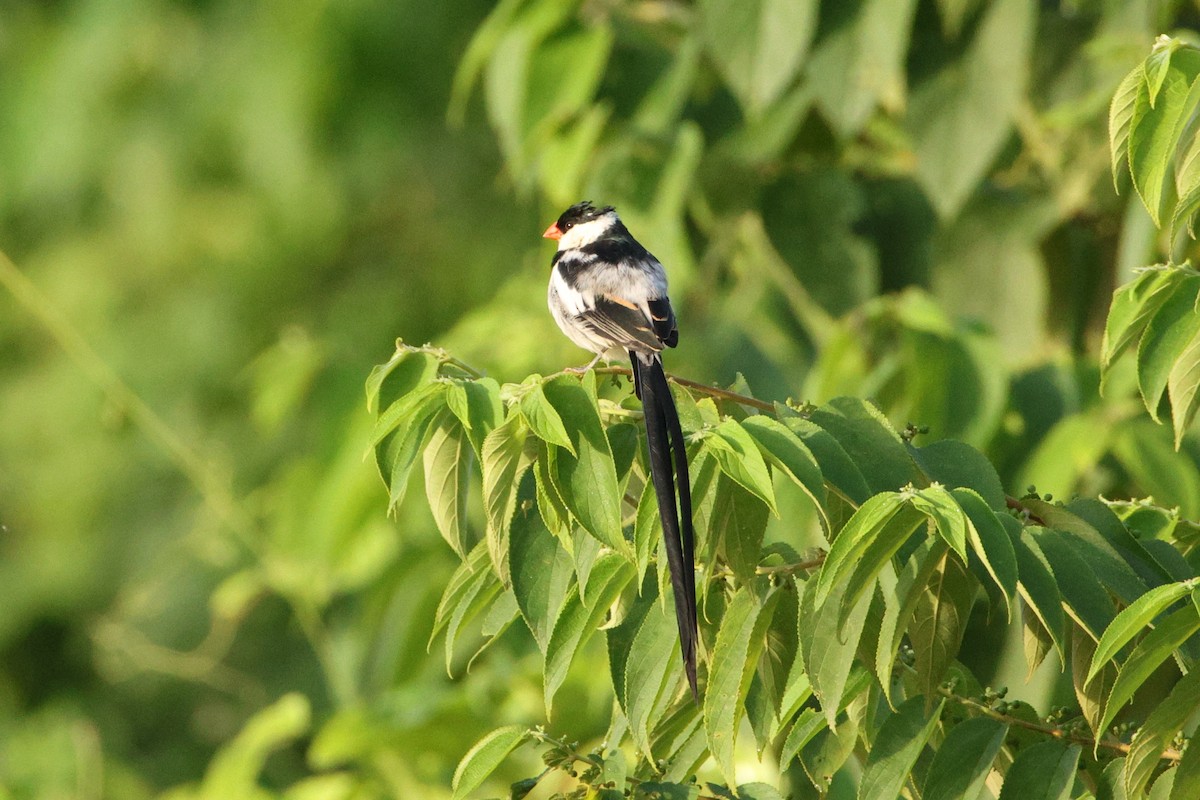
(583, 370)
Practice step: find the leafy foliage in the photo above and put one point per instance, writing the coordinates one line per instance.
(220, 214)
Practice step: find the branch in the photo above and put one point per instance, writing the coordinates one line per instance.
(1170, 754)
(711, 391)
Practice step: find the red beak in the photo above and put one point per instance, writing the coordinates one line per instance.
(552, 232)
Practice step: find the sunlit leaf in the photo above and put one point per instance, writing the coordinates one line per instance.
(900, 740)
(1043, 771)
(483, 759)
(1134, 620)
(964, 760)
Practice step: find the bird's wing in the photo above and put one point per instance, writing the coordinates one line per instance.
(621, 322)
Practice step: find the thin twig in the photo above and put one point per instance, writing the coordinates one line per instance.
(711, 391)
(1170, 754)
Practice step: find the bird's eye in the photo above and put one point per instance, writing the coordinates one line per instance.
(567, 226)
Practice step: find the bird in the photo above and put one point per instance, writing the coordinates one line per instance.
(608, 294)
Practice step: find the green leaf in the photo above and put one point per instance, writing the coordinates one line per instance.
(858, 64)
(1134, 620)
(1158, 732)
(1167, 336)
(839, 469)
(740, 520)
(870, 441)
(948, 518)
(1086, 600)
(758, 45)
(398, 452)
(990, 542)
(734, 658)
(1187, 776)
(447, 473)
(1043, 771)
(807, 725)
(960, 118)
(480, 49)
(964, 760)
(1133, 305)
(1039, 588)
(829, 648)
(485, 756)
(1155, 128)
(404, 372)
(577, 622)
(861, 536)
(587, 481)
(1146, 657)
(738, 457)
(957, 465)
(505, 459)
(1182, 383)
(900, 604)
(787, 452)
(652, 672)
(939, 621)
(1091, 695)
(1120, 116)
(900, 740)
(543, 420)
(541, 570)
(484, 411)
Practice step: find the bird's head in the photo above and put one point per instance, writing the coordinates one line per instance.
(581, 224)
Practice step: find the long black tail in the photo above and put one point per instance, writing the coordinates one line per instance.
(663, 434)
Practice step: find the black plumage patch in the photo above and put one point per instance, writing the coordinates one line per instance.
(580, 212)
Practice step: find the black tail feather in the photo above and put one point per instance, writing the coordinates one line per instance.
(664, 435)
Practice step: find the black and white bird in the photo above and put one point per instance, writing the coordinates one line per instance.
(609, 294)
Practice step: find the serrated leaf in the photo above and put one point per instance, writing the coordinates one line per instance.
(541, 571)
(404, 372)
(447, 460)
(855, 540)
(586, 481)
(1091, 695)
(1120, 115)
(1134, 620)
(758, 45)
(1187, 185)
(738, 457)
(939, 620)
(1158, 732)
(870, 441)
(484, 411)
(900, 740)
(958, 465)
(1042, 771)
(1167, 335)
(807, 725)
(505, 459)
(740, 520)
(734, 657)
(964, 760)
(901, 603)
(1086, 600)
(1132, 307)
(577, 622)
(787, 452)
(1039, 588)
(828, 647)
(543, 419)
(990, 542)
(1182, 383)
(838, 468)
(485, 756)
(1154, 131)
(397, 453)
(1146, 657)
(949, 520)
(652, 670)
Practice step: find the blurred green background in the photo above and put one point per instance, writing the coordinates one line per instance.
(221, 214)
